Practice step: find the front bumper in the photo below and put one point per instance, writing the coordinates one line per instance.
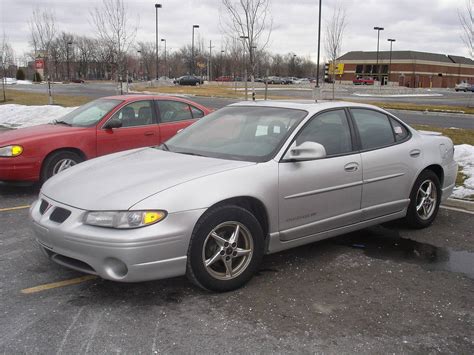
(149, 253)
(19, 169)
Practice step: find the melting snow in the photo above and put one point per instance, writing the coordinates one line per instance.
(15, 116)
(464, 155)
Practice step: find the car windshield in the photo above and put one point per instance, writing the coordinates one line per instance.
(89, 114)
(238, 133)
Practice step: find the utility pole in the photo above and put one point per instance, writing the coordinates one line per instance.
(391, 40)
(209, 73)
(319, 45)
(192, 51)
(157, 6)
(378, 29)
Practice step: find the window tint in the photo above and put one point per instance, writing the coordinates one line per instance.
(374, 128)
(329, 129)
(197, 113)
(400, 131)
(171, 111)
(138, 113)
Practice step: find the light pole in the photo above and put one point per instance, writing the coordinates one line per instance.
(319, 45)
(140, 70)
(378, 29)
(157, 6)
(166, 60)
(192, 51)
(67, 60)
(391, 40)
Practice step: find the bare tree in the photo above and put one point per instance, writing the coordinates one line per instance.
(114, 28)
(466, 19)
(250, 20)
(6, 58)
(334, 35)
(43, 32)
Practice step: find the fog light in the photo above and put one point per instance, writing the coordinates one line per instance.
(115, 268)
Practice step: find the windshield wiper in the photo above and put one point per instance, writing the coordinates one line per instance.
(189, 153)
(61, 122)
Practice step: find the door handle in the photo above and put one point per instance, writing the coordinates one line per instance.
(415, 153)
(149, 133)
(351, 167)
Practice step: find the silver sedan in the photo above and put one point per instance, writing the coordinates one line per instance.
(247, 180)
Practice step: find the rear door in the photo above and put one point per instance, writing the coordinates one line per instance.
(139, 129)
(174, 116)
(388, 159)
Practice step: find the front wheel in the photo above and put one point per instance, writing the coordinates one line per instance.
(225, 249)
(57, 162)
(425, 198)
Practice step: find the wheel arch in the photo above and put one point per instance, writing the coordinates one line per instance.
(62, 149)
(251, 204)
(438, 170)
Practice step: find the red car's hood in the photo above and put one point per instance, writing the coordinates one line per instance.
(20, 135)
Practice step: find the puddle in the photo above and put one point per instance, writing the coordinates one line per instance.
(386, 244)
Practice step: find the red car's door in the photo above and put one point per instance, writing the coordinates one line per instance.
(139, 129)
(174, 116)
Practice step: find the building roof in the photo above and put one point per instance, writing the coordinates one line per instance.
(406, 55)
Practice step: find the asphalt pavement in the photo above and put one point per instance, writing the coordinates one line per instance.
(386, 289)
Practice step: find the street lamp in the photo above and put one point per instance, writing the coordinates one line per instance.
(157, 6)
(140, 70)
(166, 62)
(391, 40)
(192, 51)
(319, 45)
(378, 29)
(67, 60)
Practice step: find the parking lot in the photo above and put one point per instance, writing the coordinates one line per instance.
(380, 290)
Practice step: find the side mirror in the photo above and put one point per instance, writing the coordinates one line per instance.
(305, 151)
(113, 123)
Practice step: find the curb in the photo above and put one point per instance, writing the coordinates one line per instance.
(460, 204)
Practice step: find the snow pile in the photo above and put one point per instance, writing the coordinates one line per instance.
(464, 155)
(15, 116)
(12, 81)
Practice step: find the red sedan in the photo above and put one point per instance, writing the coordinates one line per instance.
(100, 127)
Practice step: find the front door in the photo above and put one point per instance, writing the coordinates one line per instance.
(139, 129)
(322, 194)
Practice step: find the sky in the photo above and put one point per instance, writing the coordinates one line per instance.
(423, 25)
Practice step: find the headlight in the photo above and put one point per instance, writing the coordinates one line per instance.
(124, 220)
(11, 151)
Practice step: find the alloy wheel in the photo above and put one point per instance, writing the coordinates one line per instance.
(227, 250)
(426, 199)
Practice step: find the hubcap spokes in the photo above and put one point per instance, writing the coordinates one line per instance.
(426, 199)
(63, 165)
(227, 250)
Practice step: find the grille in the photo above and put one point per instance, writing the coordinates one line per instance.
(43, 206)
(59, 215)
(73, 263)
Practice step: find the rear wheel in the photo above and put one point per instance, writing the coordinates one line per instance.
(225, 249)
(57, 162)
(425, 198)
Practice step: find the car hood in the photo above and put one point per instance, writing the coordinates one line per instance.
(20, 135)
(119, 181)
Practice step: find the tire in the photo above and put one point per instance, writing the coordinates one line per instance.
(52, 164)
(422, 211)
(221, 275)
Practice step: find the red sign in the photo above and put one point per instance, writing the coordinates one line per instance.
(39, 63)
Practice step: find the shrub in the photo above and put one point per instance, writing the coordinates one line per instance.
(37, 78)
(20, 74)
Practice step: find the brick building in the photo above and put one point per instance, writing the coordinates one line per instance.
(408, 68)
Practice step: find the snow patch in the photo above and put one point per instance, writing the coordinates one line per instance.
(464, 155)
(395, 95)
(16, 116)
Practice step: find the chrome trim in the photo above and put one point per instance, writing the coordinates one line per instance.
(386, 177)
(327, 189)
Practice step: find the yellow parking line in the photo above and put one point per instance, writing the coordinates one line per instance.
(52, 285)
(14, 208)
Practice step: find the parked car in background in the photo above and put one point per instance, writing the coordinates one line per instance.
(224, 78)
(302, 81)
(100, 127)
(316, 171)
(77, 81)
(275, 80)
(464, 87)
(363, 81)
(189, 80)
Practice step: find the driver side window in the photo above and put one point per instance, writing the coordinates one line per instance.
(137, 113)
(329, 129)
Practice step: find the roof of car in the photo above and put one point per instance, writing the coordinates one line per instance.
(140, 96)
(307, 105)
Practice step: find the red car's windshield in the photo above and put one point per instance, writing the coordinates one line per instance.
(89, 114)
